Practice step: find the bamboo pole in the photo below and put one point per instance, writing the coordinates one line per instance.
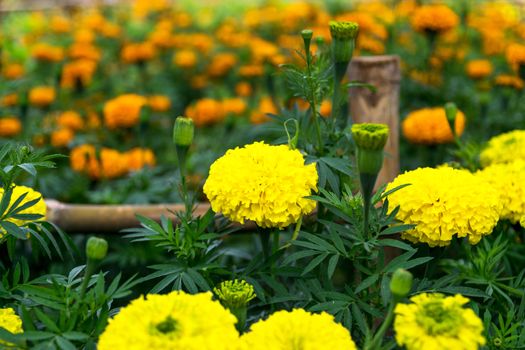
(382, 106)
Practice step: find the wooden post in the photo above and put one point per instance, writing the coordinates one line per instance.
(382, 106)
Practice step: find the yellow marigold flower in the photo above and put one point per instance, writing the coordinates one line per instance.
(62, 137)
(30, 194)
(504, 148)
(10, 321)
(123, 111)
(9, 100)
(436, 201)
(138, 158)
(509, 180)
(266, 106)
(434, 19)
(13, 71)
(285, 330)
(434, 321)
(10, 126)
(221, 64)
(205, 112)
(509, 81)
(60, 24)
(173, 321)
(71, 120)
(84, 51)
(79, 72)
(46, 52)
(263, 183)
(515, 55)
(243, 89)
(159, 103)
(138, 52)
(235, 106)
(42, 96)
(430, 126)
(479, 69)
(185, 58)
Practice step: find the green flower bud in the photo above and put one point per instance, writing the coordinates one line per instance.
(450, 111)
(369, 136)
(183, 131)
(401, 283)
(343, 40)
(235, 293)
(96, 248)
(307, 34)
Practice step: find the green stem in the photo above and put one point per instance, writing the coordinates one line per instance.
(367, 187)
(313, 104)
(378, 337)
(264, 236)
(90, 269)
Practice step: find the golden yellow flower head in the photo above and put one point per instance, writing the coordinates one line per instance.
(504, 148)
(71, 120)
(48, 53)
(434, 321)
(173, 321)
(10, 321)
(285, 330)
(84, 51)
(159, 103)
(434, 19)
(138, 52)
(139, 158)
(39, 208)
(10, 126)
(479, 69)
(221, 64)
(263, 183)
(123, 111)
(509, 81)
(62, 137)
(104, 164)
(60, 24)
(436, 202)
(515, 55)
(430, 126)
(13, 71)
(509, 180)
(185, 58)
(234, 106)
(42, 96)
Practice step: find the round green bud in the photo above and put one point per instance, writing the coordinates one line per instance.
(307, 34)
(96, 248)
(235, 293)
(370, 136)
(343, 30)
(401, 283)
(183, 131)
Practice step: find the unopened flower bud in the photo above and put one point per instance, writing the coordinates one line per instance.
(307, 34)
(183, 131)
(370, 140)
(401, 283)
(235, 296)
(343, 40)
(96, 248)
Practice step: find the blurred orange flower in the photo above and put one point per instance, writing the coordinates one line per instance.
(430, 126)
(123, 111)
(10, 126)
(42, 96)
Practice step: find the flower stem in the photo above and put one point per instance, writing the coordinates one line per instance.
(90, 269)
(378, 337)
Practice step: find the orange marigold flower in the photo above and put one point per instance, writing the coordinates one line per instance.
(185, 59)
(221, 64)
(60, 24)
(93, 120)
(266, 106)
(110, 30)
(434, 19)
(326, 108)
(84, 51)
(515, 55)
(62, 137)
(199, 81)
(108, 164)
(123, 111)
(235, 106)
(243, 89)
(79, 72)
(113, 163)
(205, 112)
(138, 52)
(138, 158)
(251, 70)
(42, 96)
(509, 81)
(161, 38)
(479, 69)
(430, 126)
(13, 71)
(71, 120)
(10, 126)
(46, 52)
(84, 36)
(9, 100)
(159, 103)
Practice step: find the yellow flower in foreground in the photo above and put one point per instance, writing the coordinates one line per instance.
(297, 329)
(263, 183)
(436, 322)
(444, 202)
(504, 148)
(509, 180)
(10, 322)
(176, 321)
(430, 126)
(123, 111)
(38, 208)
